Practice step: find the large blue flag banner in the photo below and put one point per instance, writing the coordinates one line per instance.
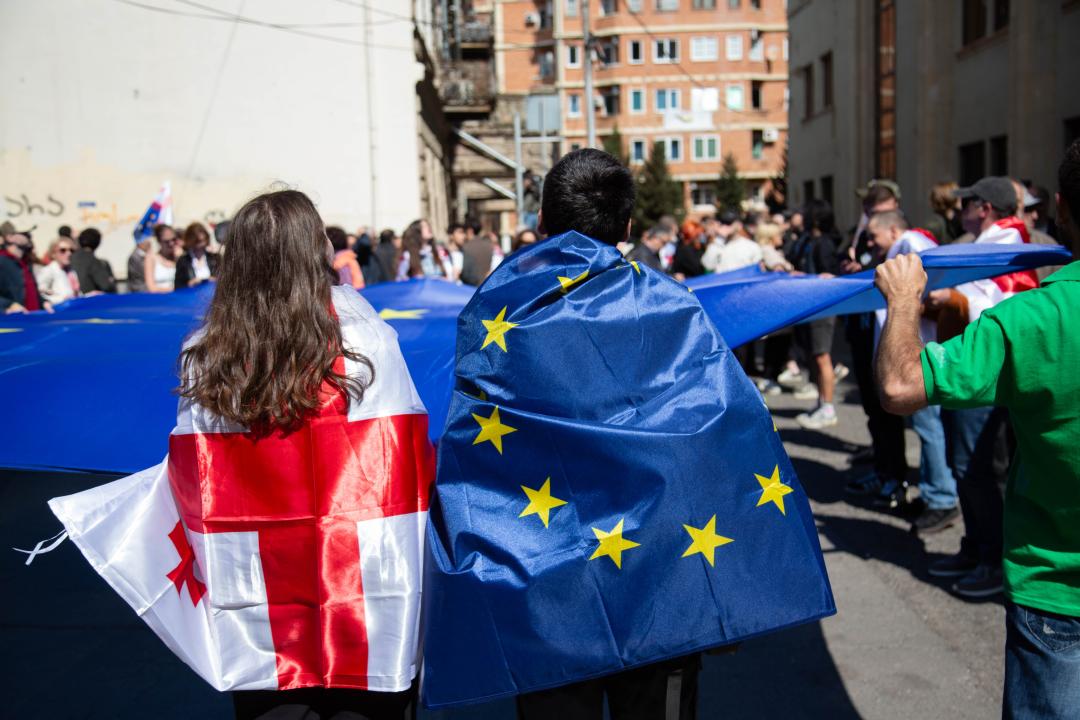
(611, 488)
(90, 387)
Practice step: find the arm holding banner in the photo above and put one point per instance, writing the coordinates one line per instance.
(898, 365)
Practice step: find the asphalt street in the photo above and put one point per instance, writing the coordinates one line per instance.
(899, 647)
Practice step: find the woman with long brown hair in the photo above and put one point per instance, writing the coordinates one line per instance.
(298, 418)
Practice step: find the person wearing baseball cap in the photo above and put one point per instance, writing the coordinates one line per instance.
(18, 287)
(994, 194)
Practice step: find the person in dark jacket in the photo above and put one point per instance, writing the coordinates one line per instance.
(647, 251)
(94, 273)
(687, 262)
(197, 265)
(18, 288)
(388, 253)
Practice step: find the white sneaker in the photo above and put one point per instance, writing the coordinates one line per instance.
(823, 417)
(769, 388)
(841, 371)
(808, 391)
(789, 379)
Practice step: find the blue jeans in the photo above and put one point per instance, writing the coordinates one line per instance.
(937, 485)
(1042, 665)
(978, 450)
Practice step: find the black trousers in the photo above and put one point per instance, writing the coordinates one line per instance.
(886, 430)
(325, 704)
(661, 691)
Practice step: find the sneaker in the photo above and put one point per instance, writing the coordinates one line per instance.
(865, 485)
(983, 581)
(957, 565)
(769, 388)
(823, 417)
(789, 379)
(841, 371)
(934, 520)
(808, 391)
(892, 495)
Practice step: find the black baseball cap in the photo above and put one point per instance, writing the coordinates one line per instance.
(997, 191)
(728, 217)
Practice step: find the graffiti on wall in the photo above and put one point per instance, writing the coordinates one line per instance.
(24, 207)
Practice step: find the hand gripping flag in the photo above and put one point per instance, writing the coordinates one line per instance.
(280, 562)
(160, 211)
(611, 488)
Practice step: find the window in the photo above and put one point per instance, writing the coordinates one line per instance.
(808, 190)
(755, 94)
(972, 163)
(973, 21)
(665, 51)
(705, 99)
(547, 64)
(667, 99)
(734, 97)
(636, 55)
(757, 144)
(706, 147)
(785, 49)
(609, 7)
(667, 5)
(757, 47)
(574, 110)
(637, 101)
(826, 189)
(704, 48)
(755, 4)
(826, 81)
(733, 4)
(633, 6)
(733, 47)
(673, 148)
(704, 4)
(702, 194)
(571, 8)
(575, 146)
(608, 51)
(1001, 14)
(573, 56)
(999, 155)
(610, 98)
(637, 151)
(808, 92)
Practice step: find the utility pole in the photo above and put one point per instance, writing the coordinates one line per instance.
(590, 107)
(369, 81)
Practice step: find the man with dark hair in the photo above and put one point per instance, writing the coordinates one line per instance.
(647, 251)
(589, 191)
(1019, 355)
(18, 287)
(94, 273)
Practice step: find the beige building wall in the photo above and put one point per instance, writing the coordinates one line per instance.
(120, 98)
(1016, 82)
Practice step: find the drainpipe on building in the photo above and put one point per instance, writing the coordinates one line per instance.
(590, 104)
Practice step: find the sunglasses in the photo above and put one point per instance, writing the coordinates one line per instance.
(65, 250)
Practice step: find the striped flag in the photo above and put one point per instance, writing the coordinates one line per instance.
(160, 211)
(280, 562)
(985, 294)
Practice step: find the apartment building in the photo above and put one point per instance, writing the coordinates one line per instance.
(702, 77)
(923, 91)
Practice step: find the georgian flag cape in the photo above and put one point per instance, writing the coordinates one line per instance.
(985, 294)
(280, 562)
(915, 240)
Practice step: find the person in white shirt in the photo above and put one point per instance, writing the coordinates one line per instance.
(57, 281)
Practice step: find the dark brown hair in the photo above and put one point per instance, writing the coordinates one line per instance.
(271, 337)
(194, 234)
(412, 241)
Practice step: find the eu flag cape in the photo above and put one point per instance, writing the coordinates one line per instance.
(611, 489)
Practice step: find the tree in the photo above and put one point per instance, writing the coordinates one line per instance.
(730, 189)
(657, 193)
(613, 144)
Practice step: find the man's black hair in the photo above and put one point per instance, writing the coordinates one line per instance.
(589, 191)
(386, 237)
(65, 231)
(1069, 184)
(819, 216)
(339, 240)
(455, 226)
(90, 238)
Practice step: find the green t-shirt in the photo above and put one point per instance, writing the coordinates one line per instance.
(1024, 355)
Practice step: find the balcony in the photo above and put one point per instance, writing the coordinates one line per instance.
(467, 89)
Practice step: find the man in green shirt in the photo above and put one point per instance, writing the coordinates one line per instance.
(1021, 355)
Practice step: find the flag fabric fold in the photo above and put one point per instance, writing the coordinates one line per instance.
(280, 562)
(611, 488)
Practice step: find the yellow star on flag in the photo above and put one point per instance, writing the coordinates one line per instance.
(103, 321)
(492, 429)
(705, 540)
(541, 502)
(497, 330)
(568, 283)
(391, 314)
(772, 490)
(636, 268)
(612, 544)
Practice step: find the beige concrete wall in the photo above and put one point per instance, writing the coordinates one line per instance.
(106, 100)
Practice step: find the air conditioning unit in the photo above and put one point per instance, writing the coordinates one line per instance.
(770, 135)
(532, 19)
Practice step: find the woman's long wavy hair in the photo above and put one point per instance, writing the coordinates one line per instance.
(271, 338)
